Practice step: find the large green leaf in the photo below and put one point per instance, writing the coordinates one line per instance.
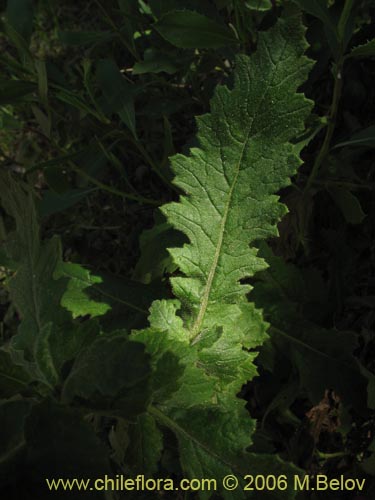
(244, 156)
(229, 181)
(46, 336)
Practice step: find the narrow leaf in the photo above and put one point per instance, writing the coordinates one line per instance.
(19, 14)
(363, 138)
(118, 93)
(15, 90)
(77, 38)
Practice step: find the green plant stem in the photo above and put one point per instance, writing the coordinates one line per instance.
(323, 153)
(337, 454)
(105, 187)
(109, 189)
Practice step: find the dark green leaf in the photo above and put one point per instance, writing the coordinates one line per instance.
(52, 202)
(146, 446)
(12, 439)
(12, 91)
(61, 444)
(155, 62)
(13, 378)
(112, 375)
(188, 29)
(77, 38)
(117, 91)
(155, 260)
(319, 9)
(348, 203)
(20, 14)
(365, 50)
(46, 335)
(323, 357)
(363, 138)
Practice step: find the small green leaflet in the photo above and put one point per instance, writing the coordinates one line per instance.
(74, 298)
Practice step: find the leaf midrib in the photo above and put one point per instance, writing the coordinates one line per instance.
(167, 421)
(206, 295)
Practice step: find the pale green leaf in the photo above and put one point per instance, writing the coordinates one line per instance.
(74, 298)
(244, 156)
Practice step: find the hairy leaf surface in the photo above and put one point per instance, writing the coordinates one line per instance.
(244, 157)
